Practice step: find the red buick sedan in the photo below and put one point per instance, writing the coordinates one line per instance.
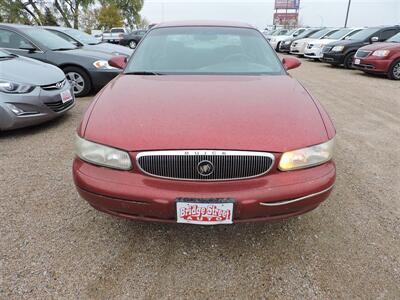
(204, 126)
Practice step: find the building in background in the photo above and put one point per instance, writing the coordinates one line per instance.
(286, 13)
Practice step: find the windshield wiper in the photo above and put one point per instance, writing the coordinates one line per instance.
(11, 55)
(144, 73)
(64, 49)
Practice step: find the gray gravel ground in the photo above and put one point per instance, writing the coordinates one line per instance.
(54, 245)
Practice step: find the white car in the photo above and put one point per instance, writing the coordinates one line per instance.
(275, 32)
(314, 47)
(298, 47)
(277, 39)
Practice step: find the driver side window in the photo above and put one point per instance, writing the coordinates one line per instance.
(12, 40)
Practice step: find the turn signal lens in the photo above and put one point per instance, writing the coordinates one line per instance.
(307, 157)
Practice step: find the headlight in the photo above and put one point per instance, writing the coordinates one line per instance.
(102, 155)
(381, 53)
(287, 42)
(338, 49)
(307, 157)
(10, 87)
(102, 64)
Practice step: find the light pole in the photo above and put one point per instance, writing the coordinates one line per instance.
(347, 14)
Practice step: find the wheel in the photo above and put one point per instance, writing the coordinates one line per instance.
(132, 44)
(79, 80)
(277, 47)
(348, 60)
(394, 71)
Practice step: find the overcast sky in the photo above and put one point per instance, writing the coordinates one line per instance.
(260, 12)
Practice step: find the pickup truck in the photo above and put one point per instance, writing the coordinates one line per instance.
(114, 35)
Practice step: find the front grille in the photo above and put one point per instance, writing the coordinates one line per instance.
(310, 46)
(327, 49)
(190, 165)
(59, 106)
(362, 53)
(54, 86)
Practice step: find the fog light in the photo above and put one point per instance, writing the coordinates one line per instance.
(16, 110)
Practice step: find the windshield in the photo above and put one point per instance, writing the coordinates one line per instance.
(363, 34)
(205, 50)
(48, 39)
(305, 33)
(4, 54)
(290, 32)
(81, 36)
(340, 34)
(320, 34)
(394, 39)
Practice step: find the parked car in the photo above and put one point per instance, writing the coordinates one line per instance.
(284, 46)
(217, 132)
(31, 92)
(276, 40)
(114, 35)
(314, 47)
(86, 70)
(299, 46)
(342, 52)
(380, 58)
(97, 34)
(132, 39)
(276, 33)
(86, 41)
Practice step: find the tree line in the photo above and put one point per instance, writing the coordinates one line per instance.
(83, 14)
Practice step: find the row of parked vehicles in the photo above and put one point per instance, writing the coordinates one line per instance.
(374, 50)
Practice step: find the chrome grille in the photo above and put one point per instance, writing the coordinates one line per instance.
(362, 53)
(55, 86)
(184, 165)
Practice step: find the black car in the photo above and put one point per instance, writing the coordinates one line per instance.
(132, 39)
(285, 45)
(86, 70)
(342, 52)
(86, 41)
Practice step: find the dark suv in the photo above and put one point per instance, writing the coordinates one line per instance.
(342, 52)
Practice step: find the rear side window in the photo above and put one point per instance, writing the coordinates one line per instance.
(117, 30)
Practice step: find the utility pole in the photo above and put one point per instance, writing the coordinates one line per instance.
(347, 14)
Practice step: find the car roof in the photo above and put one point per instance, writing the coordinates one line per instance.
(204, 23)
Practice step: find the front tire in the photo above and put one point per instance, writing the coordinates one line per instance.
(79, 80)
(277, 47)
(348, 60)
(394, 71)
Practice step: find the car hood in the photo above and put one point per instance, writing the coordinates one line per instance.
(345, 42)
(302, 41)
(323, 41)
(110, 49)
(20, 69)
(260, 113)
(89, 53)
(381, 46)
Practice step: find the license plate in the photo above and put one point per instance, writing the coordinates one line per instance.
(357, 61)
(66, 96)
(204, 211)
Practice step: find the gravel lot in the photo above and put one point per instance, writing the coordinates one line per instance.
(54, 245)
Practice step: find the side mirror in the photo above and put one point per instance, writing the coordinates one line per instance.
(118, 62)
(374, 39)
(291, 63)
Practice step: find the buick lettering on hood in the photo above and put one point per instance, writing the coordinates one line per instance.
(204, 126)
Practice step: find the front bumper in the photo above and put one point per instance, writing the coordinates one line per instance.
(133, 195)
(314, 52)
(283, 47)
(333, 58)
(100, 78)
(371, 64)
(40, 106)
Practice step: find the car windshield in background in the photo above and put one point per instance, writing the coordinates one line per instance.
(320, 34)
(81, 36)
(290, 32)
(48, 39)
(117, 30)
(363, 34)
(394, 39)
(204, 50)
(304, 34)
(340, 34)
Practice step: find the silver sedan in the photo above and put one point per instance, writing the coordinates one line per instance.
(31, 92)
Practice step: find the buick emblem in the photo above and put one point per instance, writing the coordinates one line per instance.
(205, 168)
